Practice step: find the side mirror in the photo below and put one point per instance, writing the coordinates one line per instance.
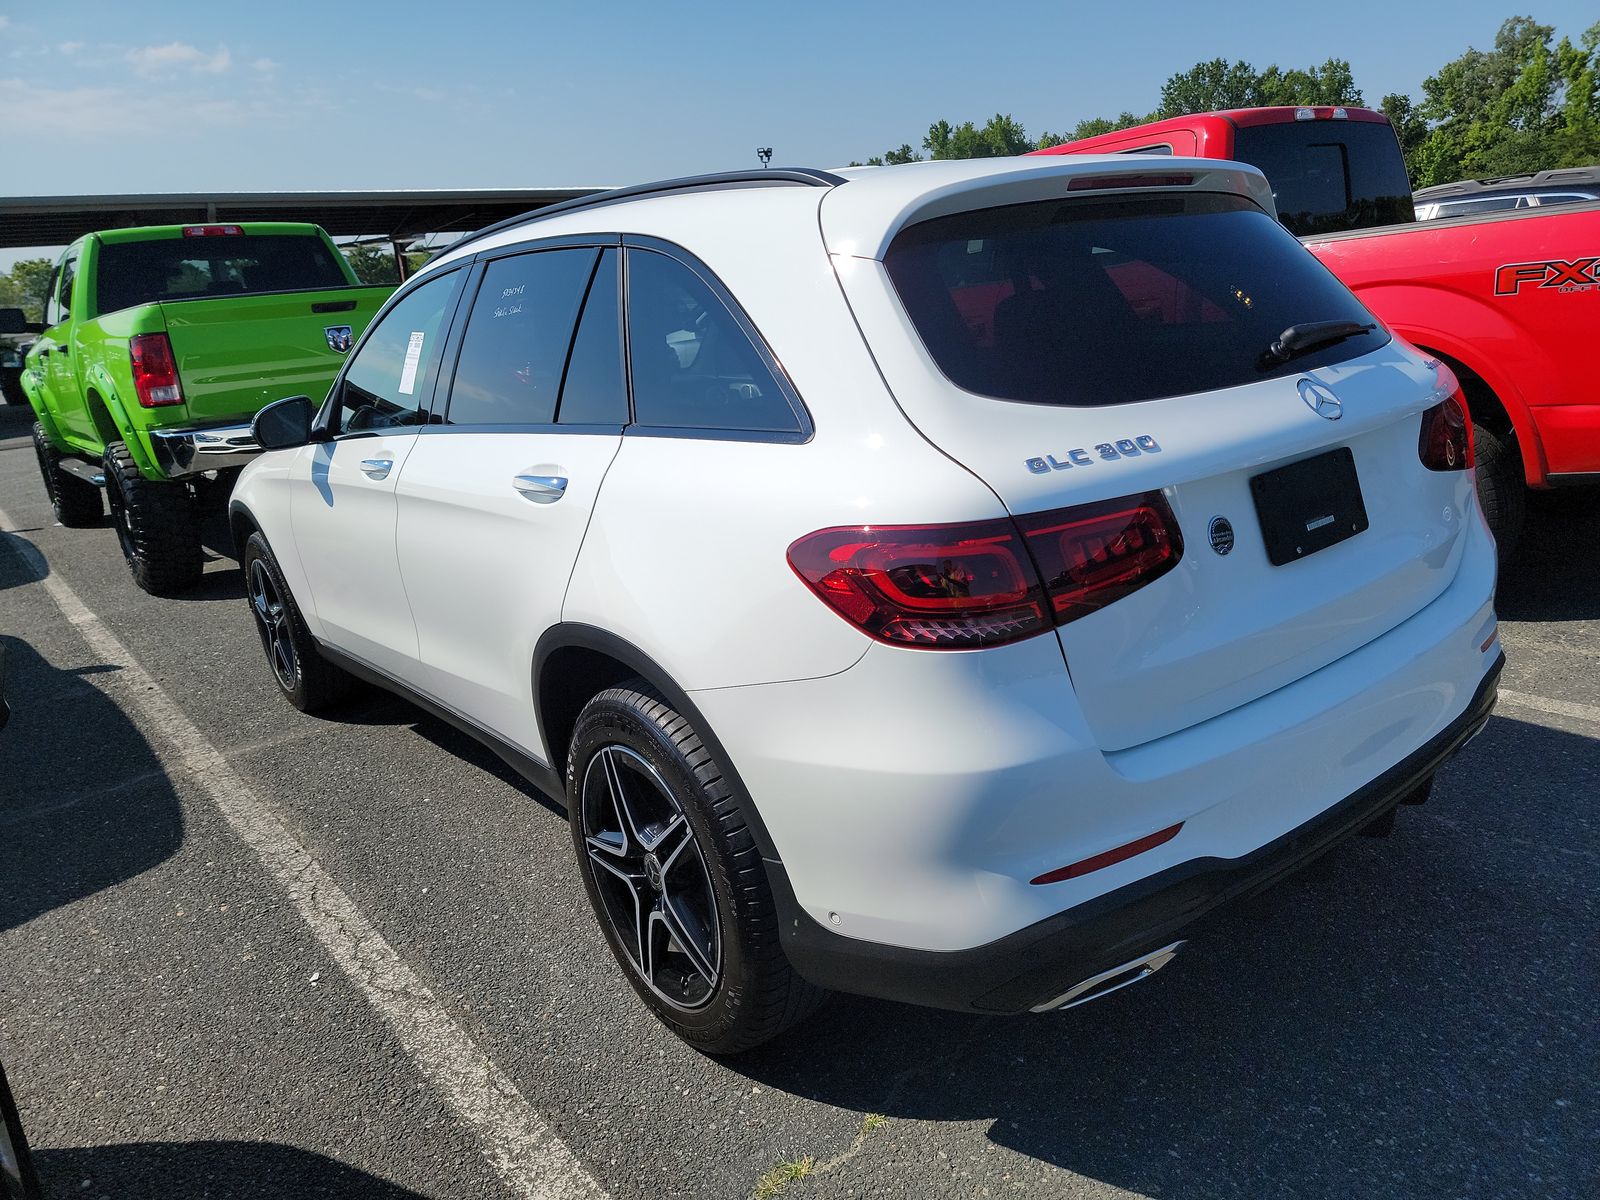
(13, 320)
(284, 424)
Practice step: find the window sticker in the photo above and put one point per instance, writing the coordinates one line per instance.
(408, 372)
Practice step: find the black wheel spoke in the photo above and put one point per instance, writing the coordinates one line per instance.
(272, 620)
(652, 881)
(692, 938)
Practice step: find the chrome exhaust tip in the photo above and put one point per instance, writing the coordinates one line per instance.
(1113, 980)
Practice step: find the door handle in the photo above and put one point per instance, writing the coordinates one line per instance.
(376, 468)
(541, 489)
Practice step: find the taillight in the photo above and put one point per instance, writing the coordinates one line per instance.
(1094, 554)
(977, 584)
(1445, 443)
(212, 231)
(939, 586)
(155, 371)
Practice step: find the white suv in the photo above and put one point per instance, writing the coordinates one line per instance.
(942, 582)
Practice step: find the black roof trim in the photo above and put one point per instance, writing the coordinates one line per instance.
(767, 177)
(1556, 177)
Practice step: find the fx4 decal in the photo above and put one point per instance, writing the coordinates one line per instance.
(1107, 451)
(1582, 274)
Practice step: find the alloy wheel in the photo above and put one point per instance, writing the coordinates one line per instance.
(654, 887)
(272, 621)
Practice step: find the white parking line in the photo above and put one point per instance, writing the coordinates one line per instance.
(524, 1151)
(1555, 708)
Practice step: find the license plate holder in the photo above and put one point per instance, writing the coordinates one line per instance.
(1309, 505)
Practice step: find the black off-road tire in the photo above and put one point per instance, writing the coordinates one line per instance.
(307, 680)
(156, 524)
(76, 502)
(758, 995)
(1502, 490)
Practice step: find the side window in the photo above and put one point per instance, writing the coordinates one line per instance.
(596, 388)
(61, 294)
(391, 377)
(515, 346)
(693, 367)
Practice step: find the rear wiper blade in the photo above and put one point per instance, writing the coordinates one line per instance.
(1308, 336)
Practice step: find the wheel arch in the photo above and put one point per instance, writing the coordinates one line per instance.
(241, 524)
(573, 662)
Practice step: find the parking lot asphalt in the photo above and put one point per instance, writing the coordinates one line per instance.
(1417, 1015)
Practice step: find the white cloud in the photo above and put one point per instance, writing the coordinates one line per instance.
(70, 47)
(96, 113)
(4, 20)
(264, 65)
(162, 60)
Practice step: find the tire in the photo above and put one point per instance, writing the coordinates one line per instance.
(156, 525)
(76, 502)
(705, 862)
(1502, 490)
(307, 680)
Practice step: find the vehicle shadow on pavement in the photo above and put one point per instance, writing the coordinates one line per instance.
(84, 801)
(1408, 1016)
(1556, 573)
(215, 1170)
(373, 706)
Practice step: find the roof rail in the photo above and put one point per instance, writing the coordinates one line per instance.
(766, 177)
(1553, 177)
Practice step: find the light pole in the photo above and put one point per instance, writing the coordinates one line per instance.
(764, 153)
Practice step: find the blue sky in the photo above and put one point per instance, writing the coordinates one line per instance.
(143, 95)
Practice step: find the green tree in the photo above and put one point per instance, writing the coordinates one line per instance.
(27, 286)
(1523, 106)
(373, 262)
(1001, 136)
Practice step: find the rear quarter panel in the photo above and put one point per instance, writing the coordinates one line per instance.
(1501, 295)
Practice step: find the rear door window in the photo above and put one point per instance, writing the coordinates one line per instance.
(514, 350)
(596, 388)
(1111, 300)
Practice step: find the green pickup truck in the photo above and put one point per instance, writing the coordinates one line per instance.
(158, 346)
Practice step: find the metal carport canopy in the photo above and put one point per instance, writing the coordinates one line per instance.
(398, 215)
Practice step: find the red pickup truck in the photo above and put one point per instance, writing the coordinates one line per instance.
(1508, 300)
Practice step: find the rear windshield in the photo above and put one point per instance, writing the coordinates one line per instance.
(190, 267)
(1329, 176)
(1111, 300)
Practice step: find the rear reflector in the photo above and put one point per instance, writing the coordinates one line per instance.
(1110, 857)
(213, 231)
(1094, 554)
(155, 371)
(1090, 183)
(934, 586)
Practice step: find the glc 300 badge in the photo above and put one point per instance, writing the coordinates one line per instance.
(1105, 451)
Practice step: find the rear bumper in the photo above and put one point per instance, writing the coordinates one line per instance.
(180, 452)
(1043, 961)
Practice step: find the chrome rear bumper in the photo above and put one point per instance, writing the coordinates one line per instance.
(182, 452)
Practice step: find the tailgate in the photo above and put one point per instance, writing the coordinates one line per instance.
(1074, 352)
(239, 353)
